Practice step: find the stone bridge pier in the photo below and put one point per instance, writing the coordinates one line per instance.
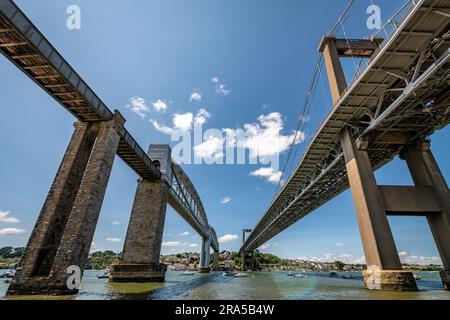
(205, 256)
(63, 233)
(142, 248)
(216, 261)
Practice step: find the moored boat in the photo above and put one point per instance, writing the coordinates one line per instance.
(7, 275)
(241, 275)
(104, 275)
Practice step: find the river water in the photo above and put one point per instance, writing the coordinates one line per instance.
(259, 285)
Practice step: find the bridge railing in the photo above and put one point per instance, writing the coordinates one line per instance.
(386, 31)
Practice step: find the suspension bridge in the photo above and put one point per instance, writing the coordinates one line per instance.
(398, 97)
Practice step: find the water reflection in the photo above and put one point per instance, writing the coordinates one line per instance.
(265, 286)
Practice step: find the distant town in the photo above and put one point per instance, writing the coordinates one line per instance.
(229, 261)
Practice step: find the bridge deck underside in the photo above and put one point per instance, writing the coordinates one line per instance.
(321, 173)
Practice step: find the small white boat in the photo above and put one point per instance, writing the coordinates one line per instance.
(104, 275)
(228, 274)
(188, 273)
(417, 276)
(300, 275)
(241, 275)
(7, 275)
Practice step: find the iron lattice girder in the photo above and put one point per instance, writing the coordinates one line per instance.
(185, 199)
(422, 31)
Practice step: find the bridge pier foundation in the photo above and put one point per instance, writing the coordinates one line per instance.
(248, 263)
(205, 256)
(384, 269)
(142, 248)
(216, 261)
(64, 230)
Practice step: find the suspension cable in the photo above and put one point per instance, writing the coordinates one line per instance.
(305, 107)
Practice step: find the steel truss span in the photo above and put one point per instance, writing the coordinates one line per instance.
(402, 95)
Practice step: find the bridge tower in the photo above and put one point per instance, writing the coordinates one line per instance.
(248, 262)
(142, 247)
(429, 197)
(63, 233)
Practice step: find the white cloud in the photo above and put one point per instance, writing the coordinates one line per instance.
(339, 244)
(264, 138)
(211, 148)
(138, 106)
(193, 245)
(6, 218)
(264, 246)
(184, 234)
(195, 96)
(115, 223)
(222, 90)
(161, 127)
(183, 121)
(172, 244)
(159, 105)
(228, 238)
(113, 239)
(306, 118)
(201, 117)
(226, 200)
(10, 231)
(220, 87)
(329, 257)
(269, 174)
(405, 257)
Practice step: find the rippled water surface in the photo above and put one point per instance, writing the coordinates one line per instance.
(259, 285)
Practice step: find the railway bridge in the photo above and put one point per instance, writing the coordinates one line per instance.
(62, 236)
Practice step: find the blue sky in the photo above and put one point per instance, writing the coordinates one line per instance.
(150, 57)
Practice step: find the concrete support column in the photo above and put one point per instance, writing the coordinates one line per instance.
(384, 266)
(205, 256)
(425, 172)
(75, 240)
(142, 248)
(335, 73)
(216, 261)
(248, 263)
